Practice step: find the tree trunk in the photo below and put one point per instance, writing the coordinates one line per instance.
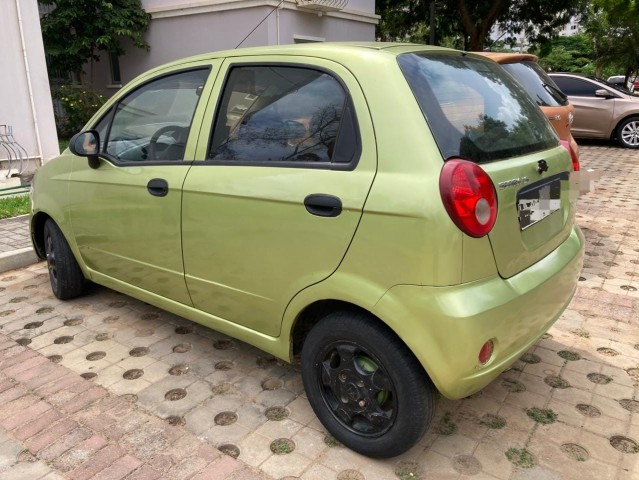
(478, 29)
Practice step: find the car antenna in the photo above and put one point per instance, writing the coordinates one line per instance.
(261, 22)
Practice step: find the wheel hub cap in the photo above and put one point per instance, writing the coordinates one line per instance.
(630, 134)
(357, 390)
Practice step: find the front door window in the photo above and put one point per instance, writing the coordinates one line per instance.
(153, 122)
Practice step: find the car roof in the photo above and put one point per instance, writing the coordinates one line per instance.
(326, 50)
(580, 75)
(503, 57)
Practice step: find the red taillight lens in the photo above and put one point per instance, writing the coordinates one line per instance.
(469, 196)
(486, 352)
(573, 154)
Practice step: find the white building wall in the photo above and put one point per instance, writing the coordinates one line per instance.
(25, 96)
(180, 28)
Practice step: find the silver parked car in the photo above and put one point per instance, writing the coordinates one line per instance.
(602, 110)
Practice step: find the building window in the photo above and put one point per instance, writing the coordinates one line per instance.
(116, 78)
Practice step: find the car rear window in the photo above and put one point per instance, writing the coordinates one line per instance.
(537, 83)
(475, 110)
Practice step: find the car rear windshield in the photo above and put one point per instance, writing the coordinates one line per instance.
(475, 110)
(537, 83)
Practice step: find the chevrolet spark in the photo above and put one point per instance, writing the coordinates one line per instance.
(400, 218)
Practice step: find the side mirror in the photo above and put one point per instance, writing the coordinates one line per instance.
(602, 92)
(86, 144)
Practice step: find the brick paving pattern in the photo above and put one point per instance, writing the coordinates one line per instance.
(81, 431)
(14, 233)
(156, 385)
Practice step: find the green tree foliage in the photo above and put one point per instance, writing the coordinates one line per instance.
(568, 54)
(79, 103)
(77, 31)
(614, 28)
(403, 20)
(472, 20)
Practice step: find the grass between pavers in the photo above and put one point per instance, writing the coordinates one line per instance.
(14, 206)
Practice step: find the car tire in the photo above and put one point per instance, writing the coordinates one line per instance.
(628, 133)
(67, 279)
(365, 385)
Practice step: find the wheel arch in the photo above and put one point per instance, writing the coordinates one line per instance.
(309, 316)
(37, 232)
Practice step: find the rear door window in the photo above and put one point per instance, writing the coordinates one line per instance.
(576, 87)
(285, 116)
(475, 110)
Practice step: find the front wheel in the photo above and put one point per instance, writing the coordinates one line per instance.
(365, 386)
(67, 280)
(628, 133)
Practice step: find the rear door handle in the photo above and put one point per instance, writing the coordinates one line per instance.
(323, 205)
(158, 187)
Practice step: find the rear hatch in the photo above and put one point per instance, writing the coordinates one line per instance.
(478, 113)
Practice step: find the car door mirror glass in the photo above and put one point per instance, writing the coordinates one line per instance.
(85, 144)
(602, 92)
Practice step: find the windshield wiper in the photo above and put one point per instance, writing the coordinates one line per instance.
(554, 90)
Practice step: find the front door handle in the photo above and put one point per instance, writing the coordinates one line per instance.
(323, 205)
(158, 187)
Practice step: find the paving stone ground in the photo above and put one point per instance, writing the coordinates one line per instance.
(568, 409)
(14, 233)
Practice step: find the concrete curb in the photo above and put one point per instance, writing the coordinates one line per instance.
(17, 259)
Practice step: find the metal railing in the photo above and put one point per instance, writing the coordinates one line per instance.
(17, 163)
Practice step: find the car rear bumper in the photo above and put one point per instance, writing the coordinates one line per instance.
(445, 327)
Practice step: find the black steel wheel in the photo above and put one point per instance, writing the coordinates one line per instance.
(67, 280)
(365, 386)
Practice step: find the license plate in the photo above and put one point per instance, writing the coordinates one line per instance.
(538, 201)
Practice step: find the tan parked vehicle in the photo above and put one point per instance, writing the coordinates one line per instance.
(541, 88)
(602, 110)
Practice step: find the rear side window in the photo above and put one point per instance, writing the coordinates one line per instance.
(475, 110)
(537, 83)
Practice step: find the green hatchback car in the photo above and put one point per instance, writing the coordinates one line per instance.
(400, 218)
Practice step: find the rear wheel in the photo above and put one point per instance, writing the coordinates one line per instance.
(365, 386)
(628, 133)
(67, 280)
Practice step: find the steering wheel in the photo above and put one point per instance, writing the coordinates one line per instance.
(174, 131)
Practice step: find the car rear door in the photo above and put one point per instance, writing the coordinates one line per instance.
(290, 158)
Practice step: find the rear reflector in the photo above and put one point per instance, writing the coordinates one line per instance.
(573, 154)
(469, 196)
(486, 352)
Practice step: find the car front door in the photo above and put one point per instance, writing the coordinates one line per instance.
(125, 213)
(593, 114)
(289, 162)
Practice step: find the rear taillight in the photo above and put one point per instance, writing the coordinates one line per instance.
(469, 196)
(573, 154)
